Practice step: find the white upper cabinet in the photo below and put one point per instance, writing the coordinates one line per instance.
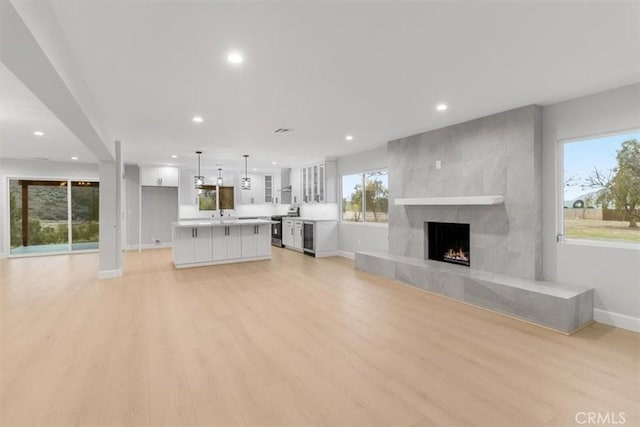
(160, 177)
(296, 185)
(263, 189)
(268, 188)
(318, 182)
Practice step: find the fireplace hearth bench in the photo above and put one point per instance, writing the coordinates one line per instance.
(564, 308)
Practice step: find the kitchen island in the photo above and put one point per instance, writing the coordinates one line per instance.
(210, 242)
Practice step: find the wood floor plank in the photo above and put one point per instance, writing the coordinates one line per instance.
(292, 341)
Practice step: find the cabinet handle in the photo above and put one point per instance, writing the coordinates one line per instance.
(196, 233)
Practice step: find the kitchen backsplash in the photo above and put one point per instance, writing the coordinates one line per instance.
(315, 210)
(319, 210)
(257, 210)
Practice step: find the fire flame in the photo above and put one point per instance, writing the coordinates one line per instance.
(456, 254)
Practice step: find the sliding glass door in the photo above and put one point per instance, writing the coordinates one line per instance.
(84, 215)
(41, 212)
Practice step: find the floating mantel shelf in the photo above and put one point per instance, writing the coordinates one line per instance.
(451, 201)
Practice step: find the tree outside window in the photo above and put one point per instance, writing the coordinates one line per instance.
(602, 188)
(365, 197)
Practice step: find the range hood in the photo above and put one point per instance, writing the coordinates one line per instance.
(284, 179)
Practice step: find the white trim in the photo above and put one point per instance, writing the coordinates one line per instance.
(368, 224)
(325, 254)
(606, 134)
(154, 245)
(109, 274)
(225, 261)
(601, 243)
(618, 320)
(345, 254)
(2, 255)
(450, 201)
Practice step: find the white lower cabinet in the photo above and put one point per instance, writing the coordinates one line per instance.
(226, 243)
(297, 234)
(287, 233)
(321, 236)
(191, 245)
(202, 245)
(256, 241)
(292, 234)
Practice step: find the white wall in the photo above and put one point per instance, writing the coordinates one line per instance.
(132, 205)
(613, 273)
(362, 237)
(10, 168)
(159, 209)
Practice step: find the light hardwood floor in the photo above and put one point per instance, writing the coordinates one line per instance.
(293, 341)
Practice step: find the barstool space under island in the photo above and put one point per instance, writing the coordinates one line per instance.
(199, 243)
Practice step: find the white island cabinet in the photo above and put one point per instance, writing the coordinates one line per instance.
(198, 243)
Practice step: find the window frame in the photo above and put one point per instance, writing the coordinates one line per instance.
(363, 174)
(561, 239)
(6, 179)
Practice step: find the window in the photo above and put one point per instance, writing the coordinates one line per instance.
(601, 187)
(43, 221)
(374, 206)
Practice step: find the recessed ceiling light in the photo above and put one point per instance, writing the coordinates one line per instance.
(349, 138)
(38, 133)
(255, 169)
(235, 58)
(198, 119)
(173, 156)
(274, 163)
(441, 107)
(74, 158)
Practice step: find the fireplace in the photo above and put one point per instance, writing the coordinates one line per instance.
(447, 242)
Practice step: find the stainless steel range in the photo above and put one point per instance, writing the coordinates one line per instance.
(276, 227)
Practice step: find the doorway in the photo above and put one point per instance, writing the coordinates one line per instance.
(53, 216)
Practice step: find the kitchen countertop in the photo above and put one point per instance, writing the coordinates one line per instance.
(217, 223)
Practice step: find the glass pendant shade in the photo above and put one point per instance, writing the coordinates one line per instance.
(198, 180)
(246, 181)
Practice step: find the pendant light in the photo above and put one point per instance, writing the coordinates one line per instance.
(246, 181)
(219, 177)
(198, 180)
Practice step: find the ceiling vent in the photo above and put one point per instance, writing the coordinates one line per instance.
(283, 130)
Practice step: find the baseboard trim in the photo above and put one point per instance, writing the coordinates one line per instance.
(153, 246)
(345, 254)
(109, 274)
(618, 320)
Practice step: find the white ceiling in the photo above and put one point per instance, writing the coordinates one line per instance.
(327, 69)
(21, 114)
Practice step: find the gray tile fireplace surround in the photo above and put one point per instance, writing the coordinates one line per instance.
(565, 308)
